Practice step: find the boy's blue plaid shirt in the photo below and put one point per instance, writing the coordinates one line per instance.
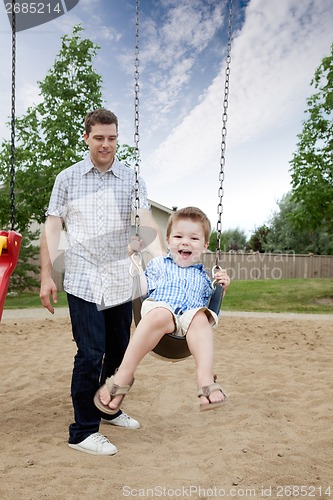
(183, 288)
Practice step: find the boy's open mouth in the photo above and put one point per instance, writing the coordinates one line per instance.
(185, 253)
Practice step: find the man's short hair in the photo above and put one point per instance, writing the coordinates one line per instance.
(103, 116)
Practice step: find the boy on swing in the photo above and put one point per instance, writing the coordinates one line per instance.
(178, 295)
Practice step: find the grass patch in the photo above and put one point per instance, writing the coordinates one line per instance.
(27, 300)
(287, 295)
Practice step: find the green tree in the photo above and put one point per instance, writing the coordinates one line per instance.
(286, 236)
(126, 154)
(258, 240)
(50, 134)
(232, 239)
(49, 138)
(312, 164)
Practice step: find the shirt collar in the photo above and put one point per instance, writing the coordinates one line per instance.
(169, 257)
(115, 168)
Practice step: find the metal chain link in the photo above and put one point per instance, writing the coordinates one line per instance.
(136, 120)
(12, 147)
(223, 140)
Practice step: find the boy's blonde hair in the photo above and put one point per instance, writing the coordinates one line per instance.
(195, 215)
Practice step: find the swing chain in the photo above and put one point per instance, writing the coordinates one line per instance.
(12, 147)
(136, 120)
(223, 140)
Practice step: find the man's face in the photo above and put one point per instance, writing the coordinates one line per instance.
(102, 142)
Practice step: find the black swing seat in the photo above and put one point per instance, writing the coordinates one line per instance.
(172, 347)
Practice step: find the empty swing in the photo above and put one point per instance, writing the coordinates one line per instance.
(10, 241)
(172, 347)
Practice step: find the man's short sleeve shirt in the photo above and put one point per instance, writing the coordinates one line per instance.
(96, 208)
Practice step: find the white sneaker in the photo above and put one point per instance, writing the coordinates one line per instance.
(123, 420)
(95, 444)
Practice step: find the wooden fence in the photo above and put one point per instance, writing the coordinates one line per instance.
(251, 266)
(254, 266)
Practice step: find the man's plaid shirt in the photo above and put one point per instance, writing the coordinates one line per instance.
(96, 209)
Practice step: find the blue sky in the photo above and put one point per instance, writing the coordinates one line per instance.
(277, 46)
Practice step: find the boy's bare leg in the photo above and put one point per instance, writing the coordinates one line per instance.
(200, 340)
(148, 333)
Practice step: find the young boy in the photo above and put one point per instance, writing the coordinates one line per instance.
(178, 294)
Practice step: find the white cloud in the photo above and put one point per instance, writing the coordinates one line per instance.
(65, 24)
(273, 61)
(274, 57)
(28, 95)
(191, 24)
(95, 27)
(170, 48)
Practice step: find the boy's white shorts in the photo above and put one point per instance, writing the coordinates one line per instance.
(183, 321)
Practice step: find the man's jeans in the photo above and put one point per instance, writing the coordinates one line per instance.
(101, 337)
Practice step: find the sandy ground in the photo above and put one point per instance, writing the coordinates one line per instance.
(275, 432)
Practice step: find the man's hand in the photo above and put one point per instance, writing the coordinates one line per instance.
(48, 252)
(134, 245)
(48, 288)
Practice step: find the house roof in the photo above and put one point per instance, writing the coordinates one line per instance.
(162, 207)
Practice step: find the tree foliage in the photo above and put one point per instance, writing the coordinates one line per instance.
(49, 138)
(126, 154)
(258, 240)
(286, 236)
(232, 239)
(312, 164)
(50, 134)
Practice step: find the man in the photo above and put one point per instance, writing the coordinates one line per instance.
(94, 200)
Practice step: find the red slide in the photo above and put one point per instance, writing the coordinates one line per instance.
(10, 243)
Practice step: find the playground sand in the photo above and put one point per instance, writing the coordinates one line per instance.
(274, 433)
